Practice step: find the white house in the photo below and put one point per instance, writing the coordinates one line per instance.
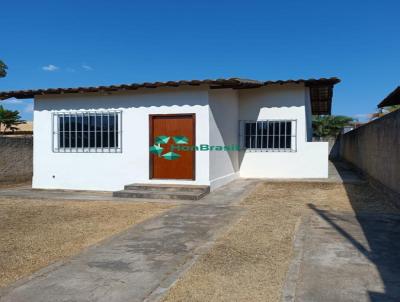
(98, 138)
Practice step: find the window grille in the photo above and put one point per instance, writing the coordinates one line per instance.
(87, 131)
(269, 135)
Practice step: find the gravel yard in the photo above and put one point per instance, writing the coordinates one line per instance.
(35, 233)
(250, 261)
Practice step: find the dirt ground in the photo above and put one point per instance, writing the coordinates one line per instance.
(35, 233)
(249, 262)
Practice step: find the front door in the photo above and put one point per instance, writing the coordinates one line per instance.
(167, 130)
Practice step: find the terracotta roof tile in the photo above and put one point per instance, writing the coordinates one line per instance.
(321, 102)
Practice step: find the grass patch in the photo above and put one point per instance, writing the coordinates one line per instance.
(249, 263)
(35, 233)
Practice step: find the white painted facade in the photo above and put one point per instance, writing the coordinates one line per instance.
(283, 103)
(217, 123)
(111, 171)
(224, 131)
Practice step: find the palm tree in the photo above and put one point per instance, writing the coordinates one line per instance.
(330, 125)
(9, 120)
(3, 69)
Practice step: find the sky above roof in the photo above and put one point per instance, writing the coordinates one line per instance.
(76, 43)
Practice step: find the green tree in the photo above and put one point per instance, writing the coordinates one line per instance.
(330, 125)
(9, 119)
(3, 69)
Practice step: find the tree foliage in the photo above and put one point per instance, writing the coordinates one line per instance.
(9, 119)
(330, 125)
(3, 69)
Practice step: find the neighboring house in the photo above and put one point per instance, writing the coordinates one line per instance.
(392, 99)
(351, 127)
(98, 138)
(346, 129)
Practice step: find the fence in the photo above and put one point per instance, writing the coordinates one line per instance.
(375, 149)
(15, 158)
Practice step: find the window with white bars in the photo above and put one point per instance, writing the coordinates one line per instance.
(87, 131)
(269, 135)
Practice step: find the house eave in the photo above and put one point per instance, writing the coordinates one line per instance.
(392, 99)
(321, 97)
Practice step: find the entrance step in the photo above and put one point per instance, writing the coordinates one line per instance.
(153, 191)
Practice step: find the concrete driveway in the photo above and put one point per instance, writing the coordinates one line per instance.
(142, 262)
(342, 256)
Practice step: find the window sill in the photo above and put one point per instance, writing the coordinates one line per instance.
(88, 150)
(270, 150)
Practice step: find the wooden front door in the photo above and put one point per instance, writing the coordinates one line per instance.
(172, 127)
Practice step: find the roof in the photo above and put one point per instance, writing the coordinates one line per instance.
(392, 99)
(320, 89)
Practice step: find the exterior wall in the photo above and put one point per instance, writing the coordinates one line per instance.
(282, 102)
(308, 115)
(375, 149)
(224, 130)
(111, 171)
(333, 145)
(217, 121)
(15, 159)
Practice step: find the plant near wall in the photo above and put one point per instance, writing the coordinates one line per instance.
(3, 69)
(330, 125)
(9, 120)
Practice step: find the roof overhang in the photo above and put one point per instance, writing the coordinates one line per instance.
(392, 99)
(321, 90)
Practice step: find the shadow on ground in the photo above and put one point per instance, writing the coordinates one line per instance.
(380, 241)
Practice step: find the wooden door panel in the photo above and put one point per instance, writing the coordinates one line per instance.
(173, 125)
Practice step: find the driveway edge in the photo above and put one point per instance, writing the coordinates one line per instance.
(292, 275)
(159, 293)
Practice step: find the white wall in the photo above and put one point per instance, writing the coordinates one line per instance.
(217, 115)
(111, 171)
(310, 161)
(282, 102)
(224, 131)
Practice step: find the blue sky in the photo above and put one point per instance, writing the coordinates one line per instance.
(77, 43)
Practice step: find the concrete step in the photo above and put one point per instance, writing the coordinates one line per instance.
(149, 194)
(168, 188)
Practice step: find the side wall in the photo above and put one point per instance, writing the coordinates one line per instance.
(308, 115)
(282, 102)
(224, 131)
(15, 159)
(111, 171)
(375, 149)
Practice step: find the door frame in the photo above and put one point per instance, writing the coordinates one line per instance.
(151, 140)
